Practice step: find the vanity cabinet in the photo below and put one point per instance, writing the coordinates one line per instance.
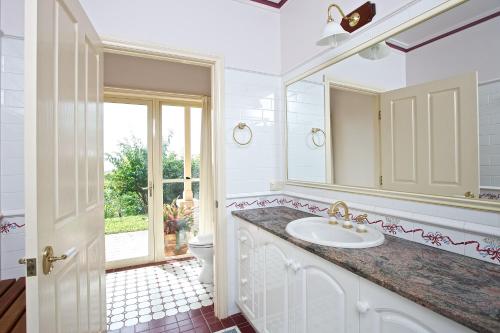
(324, 296)
(285, 289)
(382, 311)
(247, 280)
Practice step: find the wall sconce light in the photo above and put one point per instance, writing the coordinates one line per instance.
(334, 33)
(376, 52)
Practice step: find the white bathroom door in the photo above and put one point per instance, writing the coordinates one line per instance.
(64, 169)
(429, 137)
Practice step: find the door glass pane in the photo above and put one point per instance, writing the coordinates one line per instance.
(180, 193)
(195, 150)
(125, 180)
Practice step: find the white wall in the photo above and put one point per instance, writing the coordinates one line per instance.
(246, 35)
(11, 17)
(11, 137)
(476, 48)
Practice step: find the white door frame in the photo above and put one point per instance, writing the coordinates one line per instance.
(216, 65)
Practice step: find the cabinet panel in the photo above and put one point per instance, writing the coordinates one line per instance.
(246, 272)
(383, 311)
(276, 289)
(326, 297)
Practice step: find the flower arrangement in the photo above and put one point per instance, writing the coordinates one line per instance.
(177, 218)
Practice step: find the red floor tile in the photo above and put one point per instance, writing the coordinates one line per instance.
(196, 321)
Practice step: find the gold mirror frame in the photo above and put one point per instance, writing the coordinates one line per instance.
(477, 204)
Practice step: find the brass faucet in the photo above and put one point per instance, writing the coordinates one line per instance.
(334, 209)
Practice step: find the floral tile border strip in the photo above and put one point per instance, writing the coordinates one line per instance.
(5, 228)
(472, 245)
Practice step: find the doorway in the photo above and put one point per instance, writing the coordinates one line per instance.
(151, 175)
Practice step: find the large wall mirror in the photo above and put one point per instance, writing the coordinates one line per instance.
(417, 113)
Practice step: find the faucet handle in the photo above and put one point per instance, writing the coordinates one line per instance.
(360, 219)
(333, 212)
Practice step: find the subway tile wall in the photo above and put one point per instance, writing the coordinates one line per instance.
(253, 98)
(489, 134)
(11, 156)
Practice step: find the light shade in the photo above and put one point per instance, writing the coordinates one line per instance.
(375, 52)
(333, 34)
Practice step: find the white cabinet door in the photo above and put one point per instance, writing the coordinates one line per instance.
(250, 273)
(382, 311)
(246, 272)
(276, 285)
(324, 296)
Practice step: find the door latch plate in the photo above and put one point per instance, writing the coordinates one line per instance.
(30, 266)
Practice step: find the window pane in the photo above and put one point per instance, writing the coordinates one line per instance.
(195, 149)
(125, 180)
(173, 142)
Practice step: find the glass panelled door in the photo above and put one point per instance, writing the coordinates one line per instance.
(180, 147)
(151, 178)
(128, 182)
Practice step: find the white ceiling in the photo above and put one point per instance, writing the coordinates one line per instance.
(457, 17)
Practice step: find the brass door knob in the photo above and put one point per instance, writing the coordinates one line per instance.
(49, 258)
(469, 195)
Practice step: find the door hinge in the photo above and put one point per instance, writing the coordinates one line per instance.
(380, 181)
(379, 114)
(216, 204)
(30, 266)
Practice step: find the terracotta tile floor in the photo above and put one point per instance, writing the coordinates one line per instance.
(194, 321)
(164, 298)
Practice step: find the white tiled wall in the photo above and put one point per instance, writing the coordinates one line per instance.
(253, 98)
(489, 133)
(11, 155)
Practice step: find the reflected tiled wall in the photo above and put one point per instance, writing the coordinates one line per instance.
(11, 156)
(305, 111)
(489, 134)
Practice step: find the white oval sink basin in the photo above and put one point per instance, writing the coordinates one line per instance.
(317, 230)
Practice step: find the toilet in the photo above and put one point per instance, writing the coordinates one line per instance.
(202, 248)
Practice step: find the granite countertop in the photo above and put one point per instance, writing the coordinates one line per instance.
(463, 289)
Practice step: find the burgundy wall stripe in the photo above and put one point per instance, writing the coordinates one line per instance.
(270, 3)
(446, 34)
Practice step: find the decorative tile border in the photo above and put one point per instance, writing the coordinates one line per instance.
(6, 227)
(490, 195)
(486, 248)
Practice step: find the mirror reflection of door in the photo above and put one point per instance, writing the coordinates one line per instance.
(438, 86)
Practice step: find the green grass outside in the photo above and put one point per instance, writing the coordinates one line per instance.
(116, 225)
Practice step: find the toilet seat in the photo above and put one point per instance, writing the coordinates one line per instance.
(203, 241)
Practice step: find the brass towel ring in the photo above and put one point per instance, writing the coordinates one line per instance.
(314, 131)
(241, 126)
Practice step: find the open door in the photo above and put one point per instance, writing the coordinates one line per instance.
(429, 137)
(64, 169)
